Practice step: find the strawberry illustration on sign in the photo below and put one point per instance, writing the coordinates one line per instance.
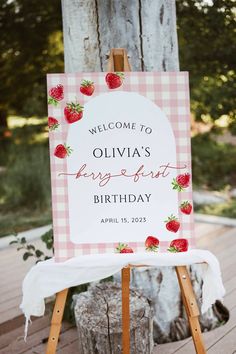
(178, 245)
(152, 243)
(73, 112)
(52, 123)
(87, 87)
(172, 223)
(186, 207)
(61, 151)
(56, 94)
(181, 182)
(114, 80)
(123, 248)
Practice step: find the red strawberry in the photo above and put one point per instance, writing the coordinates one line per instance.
(123, 248)
(181, 182)
(127, 250)
(178, 245)
(52, 123)
(62, 151)
(87, 87)
(114, 80)
(56, 94)
(73, 112)
(186, 207)
(172, 224)
(152, 243)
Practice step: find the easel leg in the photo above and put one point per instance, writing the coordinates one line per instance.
(125, 310)
(56, 321)
(191, 307)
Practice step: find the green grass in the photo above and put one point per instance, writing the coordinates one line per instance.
(25, 200)
(26, 181)
(223, 209)
(25, 193)
(22, 220)
(214, 164)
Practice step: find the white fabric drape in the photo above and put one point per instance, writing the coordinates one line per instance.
(48, 277)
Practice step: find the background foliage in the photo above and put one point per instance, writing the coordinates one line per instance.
(31, 45)
(207, 42)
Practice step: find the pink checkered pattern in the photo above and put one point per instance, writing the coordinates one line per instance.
(170, 91)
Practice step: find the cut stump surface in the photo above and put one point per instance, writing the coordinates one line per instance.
(99, 321)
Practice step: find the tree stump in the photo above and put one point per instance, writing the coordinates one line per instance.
(99, 321)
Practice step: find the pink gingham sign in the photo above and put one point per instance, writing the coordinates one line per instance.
(120, 161)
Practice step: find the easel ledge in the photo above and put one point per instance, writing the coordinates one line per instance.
(118, 61)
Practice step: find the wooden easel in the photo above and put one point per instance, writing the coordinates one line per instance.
(118, 61)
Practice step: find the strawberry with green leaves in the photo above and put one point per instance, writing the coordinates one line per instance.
(178, 245)
(56, 94)
(172, 223)
(181, 182)
(61, 151)
(123, 248)
(152, 244)
(114, 80)
(186, 207)
(73, 112)
(87, 87)
(52, 123)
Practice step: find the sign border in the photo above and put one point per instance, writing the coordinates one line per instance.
(170, 91)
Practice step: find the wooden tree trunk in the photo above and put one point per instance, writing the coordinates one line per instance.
(98, 319)
(147, 29)
(170, 322)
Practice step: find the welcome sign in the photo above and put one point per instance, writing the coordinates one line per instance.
(120, 160)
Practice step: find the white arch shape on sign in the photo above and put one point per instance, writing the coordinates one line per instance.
(119, 133)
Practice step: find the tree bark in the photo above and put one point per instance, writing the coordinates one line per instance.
(81, 37)
(99, 322)
(170, 322)
(147, 29)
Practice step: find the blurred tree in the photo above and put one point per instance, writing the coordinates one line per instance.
(207, 40)
(30, 46)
